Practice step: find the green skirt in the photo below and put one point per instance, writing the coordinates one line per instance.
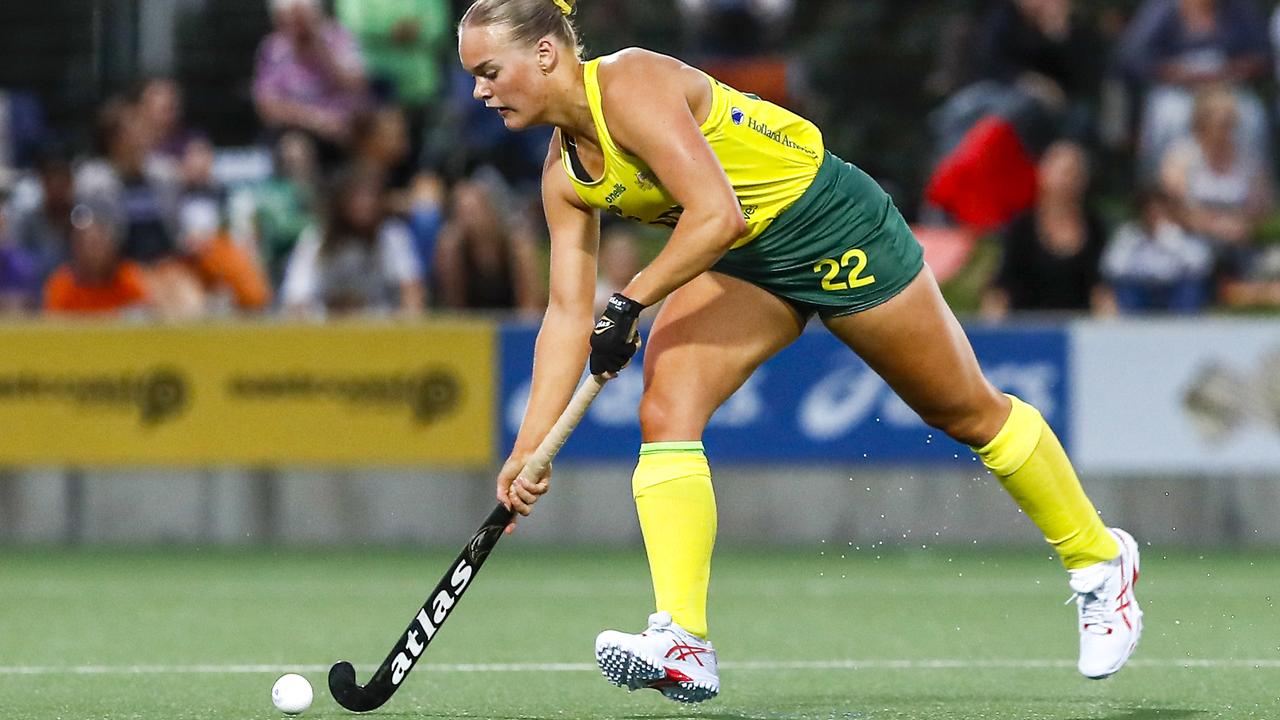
(842, 248)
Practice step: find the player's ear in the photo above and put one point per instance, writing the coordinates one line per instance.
(548, 54)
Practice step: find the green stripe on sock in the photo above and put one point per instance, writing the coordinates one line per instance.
(670, 447)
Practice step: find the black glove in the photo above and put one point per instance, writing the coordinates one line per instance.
(615, 338)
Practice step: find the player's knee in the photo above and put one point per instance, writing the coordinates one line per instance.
(665, 416)
(972, 421)
(655, 414)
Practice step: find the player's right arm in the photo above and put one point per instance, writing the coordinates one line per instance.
(563, 340)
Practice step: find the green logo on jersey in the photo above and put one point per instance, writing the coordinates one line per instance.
(618, 189)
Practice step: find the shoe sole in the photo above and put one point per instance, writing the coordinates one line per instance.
(1128, 549)
(636, 672)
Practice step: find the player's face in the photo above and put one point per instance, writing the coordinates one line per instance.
(507, 75)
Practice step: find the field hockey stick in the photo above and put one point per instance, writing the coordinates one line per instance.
(441, 602)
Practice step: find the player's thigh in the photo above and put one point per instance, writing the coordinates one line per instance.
(916, 344)
(708, 338)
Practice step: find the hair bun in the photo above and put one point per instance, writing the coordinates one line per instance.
(566, 6)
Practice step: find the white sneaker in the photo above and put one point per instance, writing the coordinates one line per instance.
(665, 657)
(1110, 620)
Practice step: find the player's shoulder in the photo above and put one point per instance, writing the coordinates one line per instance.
(638, 64)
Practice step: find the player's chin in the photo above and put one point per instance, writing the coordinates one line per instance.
(513, 119)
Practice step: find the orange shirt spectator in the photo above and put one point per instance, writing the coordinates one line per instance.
(95, 279)
(125, 288)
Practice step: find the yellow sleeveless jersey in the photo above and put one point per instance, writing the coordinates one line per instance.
(769, 154)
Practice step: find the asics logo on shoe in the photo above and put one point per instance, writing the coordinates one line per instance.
(604, 325)
(682, 651)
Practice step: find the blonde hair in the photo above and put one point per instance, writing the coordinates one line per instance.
(527, 20)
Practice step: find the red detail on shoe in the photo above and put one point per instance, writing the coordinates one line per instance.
(677, 676)
(1109, 630)
(1124, 590)
(673, 677)
(683, 651)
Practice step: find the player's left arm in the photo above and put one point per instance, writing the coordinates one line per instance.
(646, 101)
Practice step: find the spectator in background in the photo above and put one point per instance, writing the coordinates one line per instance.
(405, 43)
(120, 179)
(226, 265)
(381, 146)
(1173, 48)
(1051, 254)
(486, 259)
(619, 262)
(285, 203)
(1152, 264)
(160, 109)
(17, 268)
(1222, 191)
(1037, 82)
(96, 279)
(309, 76)
(360, 261)
(43, 228)
(1041, 48)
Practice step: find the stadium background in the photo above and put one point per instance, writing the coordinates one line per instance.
(234, 476)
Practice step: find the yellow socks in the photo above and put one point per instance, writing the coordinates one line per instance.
(1034, 468)
(677, 509)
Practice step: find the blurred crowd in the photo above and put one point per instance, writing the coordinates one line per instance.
(1177, 89)
(378, 186)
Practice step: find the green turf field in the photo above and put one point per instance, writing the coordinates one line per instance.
(828, 634)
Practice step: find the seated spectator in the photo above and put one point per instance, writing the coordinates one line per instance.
(1173, 48)
(1040, 46)
(380, 144)
(96, 279)
(1221, 191)
(1038, 76)
(284, 204)
(17, 268)
(426, 218)
(1051, 254)
(406, 43)
(309, 76)
(120, 178)
(160, 110)
(1153, 265)
(226, 265)
(486, 258)
(359, 261)
(42, 228)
